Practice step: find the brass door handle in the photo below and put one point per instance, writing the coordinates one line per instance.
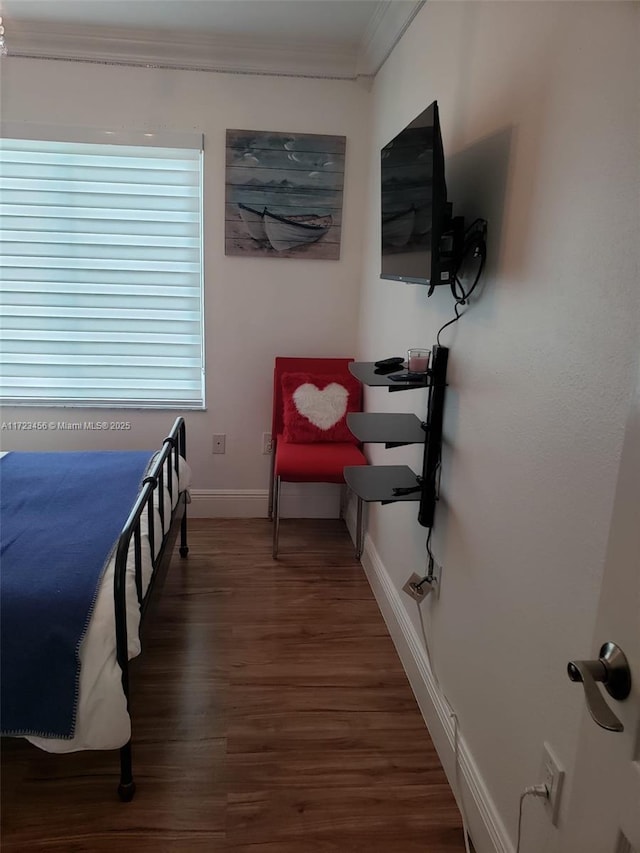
(612, 669)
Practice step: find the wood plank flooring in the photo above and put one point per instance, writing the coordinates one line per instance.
(271, 714)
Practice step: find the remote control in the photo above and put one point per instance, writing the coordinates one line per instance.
(389, 362)
(408, 376)
(382, 371)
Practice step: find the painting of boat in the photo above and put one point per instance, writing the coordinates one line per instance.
(254, 222)
(286, 232)
(397, 228)
(283, 194)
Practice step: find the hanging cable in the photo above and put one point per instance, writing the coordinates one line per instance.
(456, 751)
(457, 317)
(534, 791)
(475, 244)
(456, 786)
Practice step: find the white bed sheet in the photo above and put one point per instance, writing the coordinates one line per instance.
(102, 720)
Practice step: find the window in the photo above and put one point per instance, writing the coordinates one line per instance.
(101, 271)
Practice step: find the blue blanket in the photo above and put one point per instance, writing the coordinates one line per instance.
(61, 516)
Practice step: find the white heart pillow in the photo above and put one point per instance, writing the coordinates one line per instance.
(323, 408)
(315, 407)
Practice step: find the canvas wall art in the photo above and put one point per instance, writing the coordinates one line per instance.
(284, 194)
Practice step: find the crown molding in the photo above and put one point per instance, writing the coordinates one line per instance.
(386, 27)
(204, 52)
(179, 49)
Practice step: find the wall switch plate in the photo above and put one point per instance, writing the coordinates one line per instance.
(267, 443)
(219, 443)
(553, 779)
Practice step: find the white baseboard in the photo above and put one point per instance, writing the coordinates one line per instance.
(485, 825)
(297, 500)
(309, 500)
(225, 503)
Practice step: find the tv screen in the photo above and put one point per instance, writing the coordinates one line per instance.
(415, 213)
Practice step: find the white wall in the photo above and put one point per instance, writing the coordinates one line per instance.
(255, 309)
(539, 110)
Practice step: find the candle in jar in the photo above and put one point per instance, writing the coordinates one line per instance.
(418, 363)
(418, 360)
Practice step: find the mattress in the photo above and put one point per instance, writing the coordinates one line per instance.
(102, 719)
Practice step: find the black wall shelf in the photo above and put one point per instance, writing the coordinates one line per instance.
(378, 483)
(366, 372)
(392, 430)
(375, 483)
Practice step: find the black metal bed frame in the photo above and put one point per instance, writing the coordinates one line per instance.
(164, 469)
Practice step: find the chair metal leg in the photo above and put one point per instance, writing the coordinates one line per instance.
(276, 518)
(271, 482)
(359, 531)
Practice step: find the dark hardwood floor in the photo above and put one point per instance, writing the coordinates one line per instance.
(271, 714)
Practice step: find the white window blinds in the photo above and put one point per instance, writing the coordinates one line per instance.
(101, 274)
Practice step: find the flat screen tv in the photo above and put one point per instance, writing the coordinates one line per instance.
(420, 240)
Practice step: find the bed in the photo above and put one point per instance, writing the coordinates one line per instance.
(65, 684)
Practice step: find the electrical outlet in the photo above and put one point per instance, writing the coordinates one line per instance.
(553, 779)
(219, 443)
(267, 443)
(419, 594)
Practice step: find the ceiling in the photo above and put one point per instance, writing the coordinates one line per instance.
(319, 38)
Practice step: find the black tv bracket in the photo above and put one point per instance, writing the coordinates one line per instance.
(450, 251)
